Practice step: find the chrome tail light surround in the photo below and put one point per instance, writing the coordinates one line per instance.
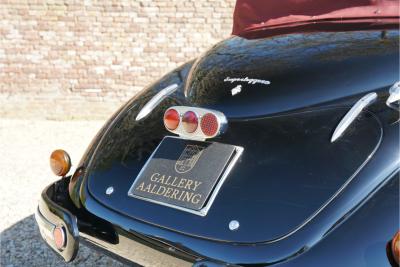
(198, 134)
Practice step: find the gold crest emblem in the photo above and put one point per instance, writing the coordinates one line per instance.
(187, 160)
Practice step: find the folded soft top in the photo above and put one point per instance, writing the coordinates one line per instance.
(252, 15)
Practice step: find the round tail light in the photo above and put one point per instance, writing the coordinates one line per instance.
(60, 162)
(171, 119)
(190, 122)
(59, 237)
(209, 124)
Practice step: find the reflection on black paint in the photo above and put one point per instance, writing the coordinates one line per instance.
(304, 69)
(129, 140)
(291, 165)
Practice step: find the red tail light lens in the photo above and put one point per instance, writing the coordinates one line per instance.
(194, 122)
(209, 124)
(190, 121)
(171, 119)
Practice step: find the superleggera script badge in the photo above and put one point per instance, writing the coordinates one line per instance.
(246, 80)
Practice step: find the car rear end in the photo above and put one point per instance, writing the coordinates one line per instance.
(266, 180)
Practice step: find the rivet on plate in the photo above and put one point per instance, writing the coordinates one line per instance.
(109, 190)
(234, 225)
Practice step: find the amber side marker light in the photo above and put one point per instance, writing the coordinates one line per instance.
(60, 162)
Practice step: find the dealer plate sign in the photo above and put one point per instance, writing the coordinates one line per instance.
(182, 173)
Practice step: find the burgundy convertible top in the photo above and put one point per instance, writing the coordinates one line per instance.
(252, 15)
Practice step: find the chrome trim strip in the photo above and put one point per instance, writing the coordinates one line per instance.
(394, 95)
(205, 209)
(155, 100)
(352, 114)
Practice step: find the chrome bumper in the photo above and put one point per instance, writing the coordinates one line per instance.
(94, 232)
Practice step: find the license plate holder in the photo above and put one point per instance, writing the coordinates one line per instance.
(185, 174)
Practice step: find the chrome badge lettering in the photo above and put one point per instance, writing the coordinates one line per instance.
(247, 80)
(236, 90)
(187, 160)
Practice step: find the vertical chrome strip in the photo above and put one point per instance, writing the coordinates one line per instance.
(352, 114)
(394, 94)
(155, 100)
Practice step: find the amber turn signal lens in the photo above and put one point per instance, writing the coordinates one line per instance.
(396, 247)
(60, 162)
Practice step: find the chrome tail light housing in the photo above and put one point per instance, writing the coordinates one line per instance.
(195, 123)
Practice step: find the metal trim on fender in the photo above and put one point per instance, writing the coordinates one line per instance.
(155, 100)
(352, 114)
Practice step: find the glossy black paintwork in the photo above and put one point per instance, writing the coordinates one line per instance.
(323, 224)
(356, 241)
(298, 172)
(309, 74)
(273, 174)
(361, 239)
(303, 70)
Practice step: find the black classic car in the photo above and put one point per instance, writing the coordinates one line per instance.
(278, 146)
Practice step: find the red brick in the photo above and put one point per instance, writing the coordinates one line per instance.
(54, 51)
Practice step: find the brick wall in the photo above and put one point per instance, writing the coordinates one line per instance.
(83, 58)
